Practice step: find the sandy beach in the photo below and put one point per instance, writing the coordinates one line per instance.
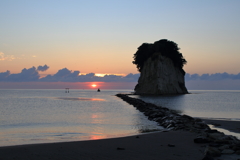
(170, 145)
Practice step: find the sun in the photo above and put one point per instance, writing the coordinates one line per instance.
(94, 85)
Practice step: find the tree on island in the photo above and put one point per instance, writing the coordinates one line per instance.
(164, 47)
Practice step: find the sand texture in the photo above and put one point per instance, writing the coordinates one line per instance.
(172, 145)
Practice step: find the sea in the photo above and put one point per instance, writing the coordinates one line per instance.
(56, 115)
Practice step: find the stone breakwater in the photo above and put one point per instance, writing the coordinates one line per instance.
(217, 143)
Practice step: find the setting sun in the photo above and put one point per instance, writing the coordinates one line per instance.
(93, 85)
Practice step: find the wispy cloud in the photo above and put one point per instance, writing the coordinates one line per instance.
(4, 57)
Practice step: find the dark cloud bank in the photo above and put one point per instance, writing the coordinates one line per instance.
(212, 77)
(63, 75)
(193, 81)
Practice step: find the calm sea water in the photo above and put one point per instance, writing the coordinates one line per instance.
(217, 104)
(39, 116)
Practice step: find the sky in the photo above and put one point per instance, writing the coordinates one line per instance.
(102, 36)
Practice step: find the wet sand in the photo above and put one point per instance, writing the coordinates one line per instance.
(159, 145)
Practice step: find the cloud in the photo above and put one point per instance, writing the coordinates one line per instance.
(212, 77)
(66, 75)
(4, 75)
(63, 75)
(42, 68)
(27, 75)
(4, 57)
(132, 77)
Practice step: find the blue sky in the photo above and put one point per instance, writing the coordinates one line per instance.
(102, 36)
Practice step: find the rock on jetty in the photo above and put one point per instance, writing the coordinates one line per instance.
(217, 143)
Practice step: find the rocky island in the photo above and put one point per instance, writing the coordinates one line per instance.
(161, 67)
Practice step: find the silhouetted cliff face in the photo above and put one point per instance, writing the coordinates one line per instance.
(160, 76)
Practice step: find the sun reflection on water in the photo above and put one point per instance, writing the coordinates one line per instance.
(95, 137)
(80, 99)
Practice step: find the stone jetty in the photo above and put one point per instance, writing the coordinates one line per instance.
(217, 143)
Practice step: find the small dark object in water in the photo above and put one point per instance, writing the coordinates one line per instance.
(98, 90)
(171, 145)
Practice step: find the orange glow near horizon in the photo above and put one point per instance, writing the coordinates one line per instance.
(104, 74)
(100, 74)
(71, 85)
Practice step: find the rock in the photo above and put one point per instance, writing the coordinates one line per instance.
(218, 142)
(212, 151)
(160, 74)
(236, 147)
(198, 120)
(227, 151)
(196, 125)
(223, 147)
(207, 157)
(216, 136)
(187, 117)
(212, 131)
(201, 139)
(214, 144)
(234, 140)
(238, 152)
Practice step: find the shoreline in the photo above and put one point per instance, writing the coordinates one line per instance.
(216, 143)
(153, 145)
(158, 145)
(232, 126)
(229, 125)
